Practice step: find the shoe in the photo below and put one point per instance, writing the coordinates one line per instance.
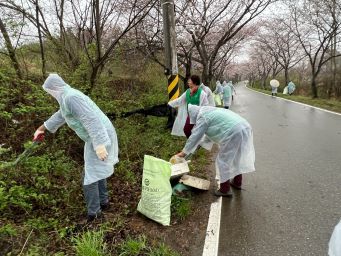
(105, 207)
(219, 193)
(232, 184)
(91, 217)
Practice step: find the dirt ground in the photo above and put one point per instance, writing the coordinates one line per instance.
(186, 237)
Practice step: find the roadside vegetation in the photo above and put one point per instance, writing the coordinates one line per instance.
(113, 51)
(42, 211)
(328, 104)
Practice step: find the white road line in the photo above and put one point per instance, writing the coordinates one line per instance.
(213, 228)
(325, 110)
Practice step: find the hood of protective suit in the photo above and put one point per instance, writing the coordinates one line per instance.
(55, 86)
(193, 111)
(218, 82)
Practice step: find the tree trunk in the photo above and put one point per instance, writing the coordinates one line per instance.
(42, 53)
(10, 49)
(93, 77)
(264, 82)
(209, 77)
(314, 87)
(97, 19)
(188, 67)
(95, 73)
(286, 75)
(207, 74)
(204, 74)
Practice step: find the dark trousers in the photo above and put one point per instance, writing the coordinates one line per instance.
(96, 194)
(225, 186)
(188, 128)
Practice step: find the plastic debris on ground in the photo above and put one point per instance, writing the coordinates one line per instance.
(195, 182)
(179, 189)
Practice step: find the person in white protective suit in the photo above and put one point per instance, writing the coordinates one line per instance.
(90, 124)
(218, 94)
(234, 136)
(227, 95)
(193, 95)
(233, 89)
(273, 91)
(291, 87)
(209, 93)
(335, 241)
(219, 88)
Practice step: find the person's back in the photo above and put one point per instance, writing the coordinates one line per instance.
(72, 95)
(227, 96)
(234, 136)
(226, 91)
(220, 122)
(219, 88)
(209, 93)
(75, 108)
(291, 87)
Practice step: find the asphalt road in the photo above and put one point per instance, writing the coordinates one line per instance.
(292, 202)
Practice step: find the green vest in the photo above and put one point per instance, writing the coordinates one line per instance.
(194, 99)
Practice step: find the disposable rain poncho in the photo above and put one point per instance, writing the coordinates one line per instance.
(273, 89)
(335, 241)
(209, 93)
(233, 89)
(181, 104)
(291, 87)
(231, 132)
(227, 95)
(219, 88)
(90, 124)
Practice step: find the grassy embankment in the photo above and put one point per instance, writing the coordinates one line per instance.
(41, 202)
(332, 105)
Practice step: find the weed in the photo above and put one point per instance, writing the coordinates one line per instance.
(40, 224)
(181, 207)
(162, 250)
(133, 247)
(35, 250)
(8, 230)
(124, 169)
(91, 243)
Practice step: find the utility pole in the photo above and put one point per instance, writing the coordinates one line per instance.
(171, 70)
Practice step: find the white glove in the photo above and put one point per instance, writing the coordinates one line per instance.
(101, 152)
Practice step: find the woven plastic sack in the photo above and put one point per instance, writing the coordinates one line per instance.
(156, 193)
